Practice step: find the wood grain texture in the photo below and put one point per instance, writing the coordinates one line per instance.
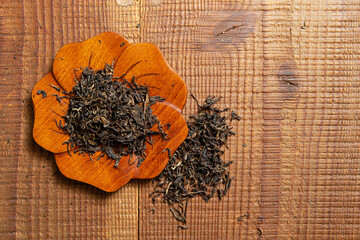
(186, 33)
(39, 203)
(289, 68)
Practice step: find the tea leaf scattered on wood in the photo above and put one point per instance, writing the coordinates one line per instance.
(111, 115)
(241, 218)
(42, 92)
(55, 87)
(196, 168)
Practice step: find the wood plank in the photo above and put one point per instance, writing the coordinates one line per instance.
(280, 86)
(227, 65)
(42, 203)
(320, 127)
(298, 87)
(11, 39)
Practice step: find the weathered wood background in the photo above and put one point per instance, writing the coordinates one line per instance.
(289, 68)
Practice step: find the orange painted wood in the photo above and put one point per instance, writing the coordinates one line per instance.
(48, 111)
(147, 65)
(94, 52)
(151, 69)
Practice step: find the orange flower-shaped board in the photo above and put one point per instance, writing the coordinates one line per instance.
(146, 63)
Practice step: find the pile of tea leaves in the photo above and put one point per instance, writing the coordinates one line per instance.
(196, 167)
(111, 115)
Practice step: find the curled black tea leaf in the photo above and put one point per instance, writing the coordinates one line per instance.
(55, 87)
(42, 92)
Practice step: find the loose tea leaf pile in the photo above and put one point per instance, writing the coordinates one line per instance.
(196, 168)
(111, 115)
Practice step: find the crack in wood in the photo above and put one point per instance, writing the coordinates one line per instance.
(229, 29)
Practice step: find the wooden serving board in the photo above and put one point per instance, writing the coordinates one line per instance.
(289, 68)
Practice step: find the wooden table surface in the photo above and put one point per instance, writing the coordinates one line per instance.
(289, 68)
